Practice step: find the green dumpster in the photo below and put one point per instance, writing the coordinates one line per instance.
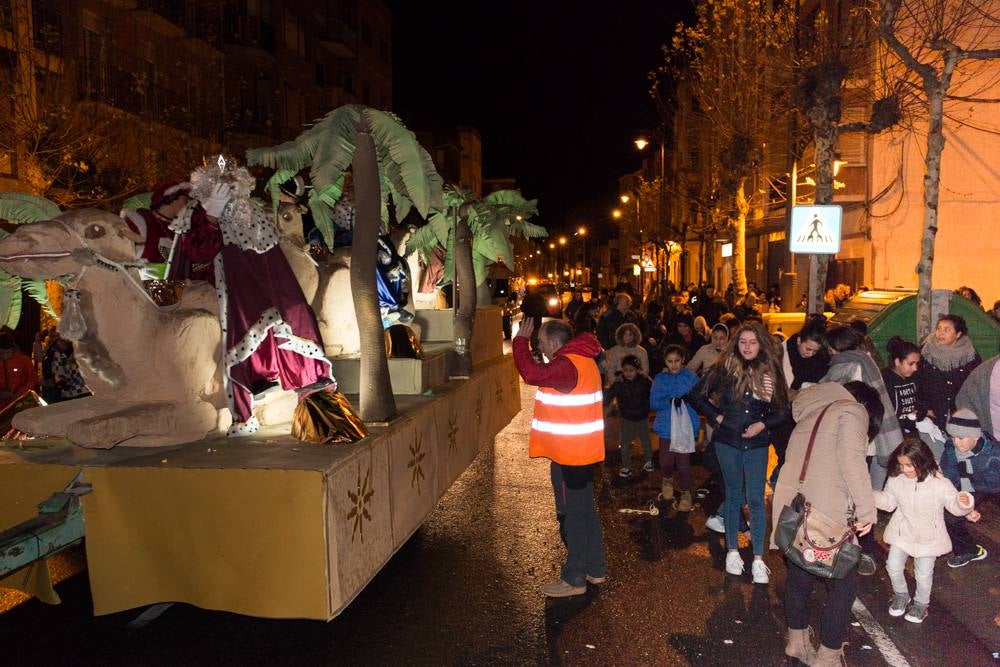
(891, 313)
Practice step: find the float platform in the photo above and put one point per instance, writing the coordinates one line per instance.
(264, 526)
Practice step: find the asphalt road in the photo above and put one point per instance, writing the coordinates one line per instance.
(464, 591)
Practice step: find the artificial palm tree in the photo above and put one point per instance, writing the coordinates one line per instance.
(475, 234)
(388, 164)
(19, 208)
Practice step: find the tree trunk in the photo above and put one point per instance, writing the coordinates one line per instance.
(25, 111)
(824, 140)
(465, 297)
(376, 401)
(740, 240)
(932, 183)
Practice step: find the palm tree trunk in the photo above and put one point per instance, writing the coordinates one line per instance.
(465, 297)
(376, 400)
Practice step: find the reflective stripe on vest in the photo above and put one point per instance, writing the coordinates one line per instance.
(568, 428)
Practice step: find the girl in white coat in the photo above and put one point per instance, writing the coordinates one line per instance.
(919, 495)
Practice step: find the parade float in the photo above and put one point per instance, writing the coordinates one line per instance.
(185, 477)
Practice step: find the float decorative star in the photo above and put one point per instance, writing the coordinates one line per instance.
(416, 461)
(361, 499)
(452, 433)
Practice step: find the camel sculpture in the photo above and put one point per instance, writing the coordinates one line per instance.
(154, 372)
(326, 282)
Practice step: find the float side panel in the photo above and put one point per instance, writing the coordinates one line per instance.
(239, 540)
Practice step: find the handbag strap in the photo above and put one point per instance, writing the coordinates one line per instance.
(809, 449)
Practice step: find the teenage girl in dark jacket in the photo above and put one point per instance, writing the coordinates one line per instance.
(745, 394)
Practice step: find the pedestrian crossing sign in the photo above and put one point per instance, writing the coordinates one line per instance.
(815, 230)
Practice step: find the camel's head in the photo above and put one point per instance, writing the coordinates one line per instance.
(63, 245)
(290, 222)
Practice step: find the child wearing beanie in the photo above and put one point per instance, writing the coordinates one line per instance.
(971, 462)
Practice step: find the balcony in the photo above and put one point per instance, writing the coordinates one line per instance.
(339, 39)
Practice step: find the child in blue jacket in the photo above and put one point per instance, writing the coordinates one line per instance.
(971, 462)
(670, 386)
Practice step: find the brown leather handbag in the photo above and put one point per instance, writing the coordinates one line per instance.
(812, 540)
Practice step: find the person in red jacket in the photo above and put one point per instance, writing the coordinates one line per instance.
(568, 429)
(18, 371)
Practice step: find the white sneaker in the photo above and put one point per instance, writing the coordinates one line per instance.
(716, 524)
(760, 572)
(734, 563)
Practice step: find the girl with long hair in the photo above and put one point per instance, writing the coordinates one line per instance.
(745, 395)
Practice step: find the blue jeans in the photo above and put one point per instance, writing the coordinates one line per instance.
(579, 524)
(743, 470)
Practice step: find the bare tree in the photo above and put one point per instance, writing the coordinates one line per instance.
(837, 46)
(72, 150)
(937, 41)
(735, 60)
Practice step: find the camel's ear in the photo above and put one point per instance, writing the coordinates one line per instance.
(124, 230)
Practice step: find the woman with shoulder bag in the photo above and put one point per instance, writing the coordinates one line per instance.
(839, 420)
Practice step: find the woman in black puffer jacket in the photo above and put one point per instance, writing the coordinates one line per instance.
(946, 359)
(745, 394)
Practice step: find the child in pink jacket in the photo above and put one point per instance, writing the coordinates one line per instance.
(918, 495)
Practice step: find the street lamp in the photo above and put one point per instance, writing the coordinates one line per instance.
(616, 214)
(625, 199)
(641, 143)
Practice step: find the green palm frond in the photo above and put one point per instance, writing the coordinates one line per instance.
(527, 230)
(273, 185)
(403, 159)
(321, 203)
(335, 151)
(21, 208)
(10, 299)
(422, 241)
(141, 200)
(36, 289)
(481, 267)
(316, 148)
(406, 172)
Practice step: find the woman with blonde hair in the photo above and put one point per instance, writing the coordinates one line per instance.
(745, 395)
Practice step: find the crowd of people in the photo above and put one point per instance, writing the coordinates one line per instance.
(915, 436)
(51, 370)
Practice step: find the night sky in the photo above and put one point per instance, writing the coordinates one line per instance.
(557, 94)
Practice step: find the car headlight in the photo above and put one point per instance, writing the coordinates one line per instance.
(553, 301)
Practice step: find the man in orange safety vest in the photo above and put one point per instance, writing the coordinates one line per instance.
(568, 429)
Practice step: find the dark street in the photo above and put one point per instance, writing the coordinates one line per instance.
(464, 590)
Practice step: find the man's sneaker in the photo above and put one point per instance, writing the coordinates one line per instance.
(734, 563)
(716, 524)
(866, 566)
(898, 605)
(561, 589)
(596, 580)
(648, 466)
(760, 571)
(916, 613)
(625, 473)
(961, 560)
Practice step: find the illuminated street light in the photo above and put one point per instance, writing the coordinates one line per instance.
(552, 246)
(641, 143)
(625, 199)
(616, 214)
(582, 231)
(538, 252)
(562, 240)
